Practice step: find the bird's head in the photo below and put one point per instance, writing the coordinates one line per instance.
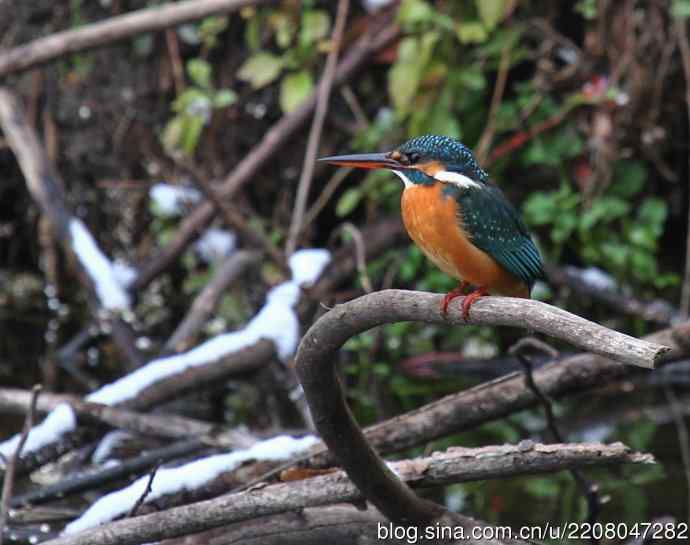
(423, 160)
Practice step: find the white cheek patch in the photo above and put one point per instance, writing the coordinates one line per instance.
(455, 178)
(404, 178)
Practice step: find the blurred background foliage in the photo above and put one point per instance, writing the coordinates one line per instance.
(577, 110)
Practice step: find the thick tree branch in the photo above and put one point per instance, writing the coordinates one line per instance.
(454, 465)
(316, 368)
(112, 30)
(381, 236)
(658, 310)
(341, 524)
(508, 394)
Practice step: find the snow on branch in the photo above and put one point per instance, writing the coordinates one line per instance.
(187, 477)
(111, 293)
(453, 465)
(276, 322)
(43, 182)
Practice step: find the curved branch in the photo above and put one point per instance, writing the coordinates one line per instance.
(335, 422)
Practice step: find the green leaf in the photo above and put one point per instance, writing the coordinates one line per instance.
(191, 133)
(471, 32)
(490, 12)
(680, 9)
(200, 72)
(540, 208)
(211, 28)
(189, 96)
(348, 201)
(260, 69)
(587, 8)
(472, 78)
(252, 33)
(542, 487)
(285, 28)
(295, 89)
(413, 12)
(315, 26)
(406, 74)
(629, 176)
(172, 134)
(224, 98)
(653, 212)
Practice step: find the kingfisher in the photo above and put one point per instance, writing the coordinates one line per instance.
(461, 221)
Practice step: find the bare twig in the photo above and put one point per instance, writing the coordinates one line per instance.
(488, 135)
(175, 60)
(659, 311)
(323, 94)
(235, 219)
(205, 303)
(683, 436)
(112, 30)
(589, 489)
(11, 464)
(360, 253)
(325, 195)
(140, 501)
(682, 37)
(316, 367)
(454, 465)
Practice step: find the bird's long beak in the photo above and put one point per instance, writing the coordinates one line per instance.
(364, 160)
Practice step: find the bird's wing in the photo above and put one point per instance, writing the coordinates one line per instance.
(494, 226)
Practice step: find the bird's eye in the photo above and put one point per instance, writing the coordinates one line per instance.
(413, 157)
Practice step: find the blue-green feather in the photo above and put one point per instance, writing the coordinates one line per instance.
(494, 226)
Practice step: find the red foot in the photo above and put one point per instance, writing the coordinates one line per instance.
(470, 299)
(452, 294)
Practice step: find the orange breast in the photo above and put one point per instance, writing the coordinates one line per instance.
(434, 221)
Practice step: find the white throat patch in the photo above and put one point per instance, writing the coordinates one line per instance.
(455, 178)
(404, 178)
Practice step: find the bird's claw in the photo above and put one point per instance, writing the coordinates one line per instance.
(452, 294)
(470, 300)
(467, 302)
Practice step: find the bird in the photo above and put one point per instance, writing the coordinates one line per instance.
(459, 218)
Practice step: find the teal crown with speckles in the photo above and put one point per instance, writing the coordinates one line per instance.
(454, 155)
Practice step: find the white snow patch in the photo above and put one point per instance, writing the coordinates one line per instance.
(375, 5)
(215, 244)
(187, 477)
(169, 200)
(307, 265)
(108, 444)
(276, 321)
(109, 290)
(124, 273)
(598, 278)
(59, 421)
